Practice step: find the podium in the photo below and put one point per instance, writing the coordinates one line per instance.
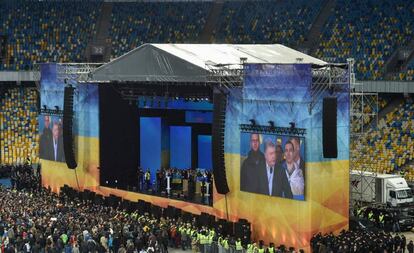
(168, 185)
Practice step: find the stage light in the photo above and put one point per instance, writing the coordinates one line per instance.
(252, 121)
(271, 123)
(292, 124)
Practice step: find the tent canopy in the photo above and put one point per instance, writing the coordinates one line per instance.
(192, 62)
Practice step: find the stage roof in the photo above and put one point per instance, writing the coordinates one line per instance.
(192, 62)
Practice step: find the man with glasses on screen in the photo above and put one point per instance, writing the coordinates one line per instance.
(255, 159)
(271, 179)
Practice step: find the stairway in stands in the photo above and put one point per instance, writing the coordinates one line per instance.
(206, 36)
(313, 36)
(99, 48)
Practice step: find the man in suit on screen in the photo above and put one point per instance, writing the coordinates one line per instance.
(271, 178)
(251, 165)
(45, 139)
(57, 153)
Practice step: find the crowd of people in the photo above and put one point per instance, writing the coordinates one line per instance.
(360, 241)
(182, 181)
(22, 176)
(36, 220)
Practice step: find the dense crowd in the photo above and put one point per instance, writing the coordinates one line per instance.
(361, 241)
(39, 221)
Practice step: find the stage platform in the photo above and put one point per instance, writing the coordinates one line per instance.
(156, 200)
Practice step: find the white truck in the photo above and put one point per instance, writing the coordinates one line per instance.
(387, 189)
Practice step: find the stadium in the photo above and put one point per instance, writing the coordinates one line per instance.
(211, 126)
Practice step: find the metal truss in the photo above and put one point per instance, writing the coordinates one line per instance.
(330, 78)
(290, 131)
(73, 73)
(363, 116)
(37, 75)
(51, 112)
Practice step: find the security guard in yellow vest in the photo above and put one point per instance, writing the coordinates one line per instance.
(249, 248)
(371, 216)
(359, 212)
(271, 248)
(239, 247)
(226, 245)
(381, 220)
(261, 248)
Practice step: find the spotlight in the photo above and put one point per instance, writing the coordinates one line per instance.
(271, 123)
(252, 121)
(292, 125)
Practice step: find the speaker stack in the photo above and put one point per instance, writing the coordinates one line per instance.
(219, 120)
(329, 122)
(67, 128)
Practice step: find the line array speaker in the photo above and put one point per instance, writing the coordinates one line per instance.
(329, 122)
(219, 120)
(67, 128)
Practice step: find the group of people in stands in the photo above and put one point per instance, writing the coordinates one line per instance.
(360, 241)
(177, 178)
(40, 221)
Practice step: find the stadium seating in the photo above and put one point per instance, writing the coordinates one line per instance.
(134, 24)
(389, 147)
(46, 31)
(266, 21)
(18, 126)
(59, 31)
(368, 31)
(407, 75)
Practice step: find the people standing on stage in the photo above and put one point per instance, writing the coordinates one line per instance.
(147, 180)
(255, 159)
(293, 172)
(140, 179)
(160, 177)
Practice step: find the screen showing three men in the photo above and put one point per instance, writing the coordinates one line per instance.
(272, 165)
(51, 138)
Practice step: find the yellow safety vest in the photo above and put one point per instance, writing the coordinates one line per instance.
(210, 239)
(381, 218)
(271, 250)
(226, 244)
(239, 245)
(220, 241)
(262, 250)
(249, 248)
(147, 176)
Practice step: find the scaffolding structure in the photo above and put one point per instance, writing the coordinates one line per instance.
(72, 73)
(363, 116)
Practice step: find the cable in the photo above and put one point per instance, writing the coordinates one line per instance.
(77, 181)
(227, 209)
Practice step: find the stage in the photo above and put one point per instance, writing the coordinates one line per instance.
(238, 111)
